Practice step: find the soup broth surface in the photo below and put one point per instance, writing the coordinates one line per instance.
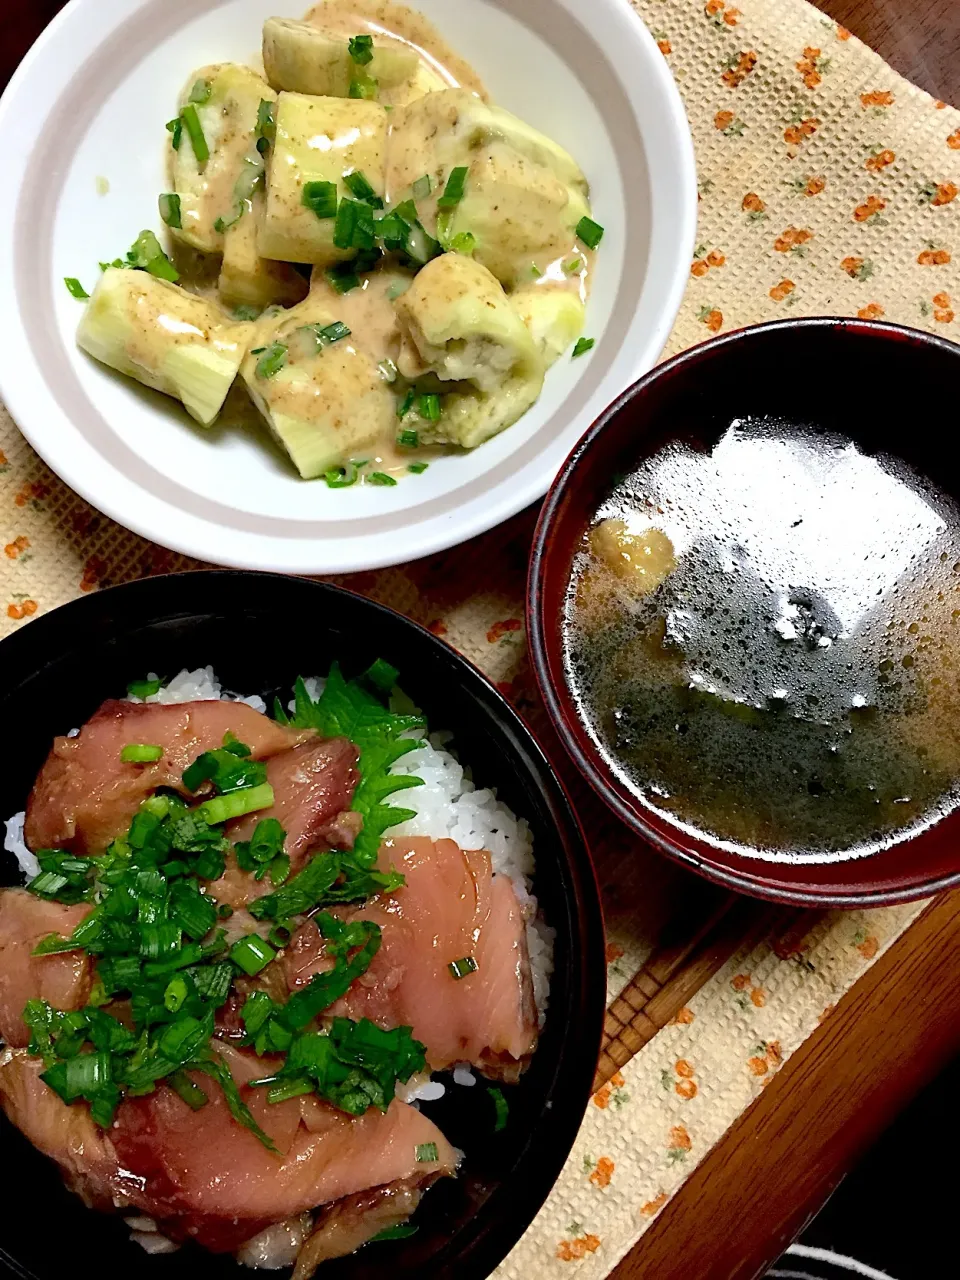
(763, 642)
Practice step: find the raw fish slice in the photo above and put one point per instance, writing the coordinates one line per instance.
(85, 796)
(313, 787)
(451, 908)
(63, 980)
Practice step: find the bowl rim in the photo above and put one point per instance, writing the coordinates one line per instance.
(587, 762)
(65, 426)
(547, 1149)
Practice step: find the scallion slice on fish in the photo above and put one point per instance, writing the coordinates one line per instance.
(251, 954)
(501, 1110)
(427, 1153)
(141, 753)
(235, 804)
(465, 965)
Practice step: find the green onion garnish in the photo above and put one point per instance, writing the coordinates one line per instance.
(146, 254)
(354, 228)
(408, 439)
(361, 49)
(272, 360)
(427, 1153)
(175, 129)
(342, 277)
(141, 753)
(170, 210)
(380, 477)
(191, 122)
(429, 406)
(388, 370)
(400, 1232)
(463, 242)
(590, 232)
(341, 477)
(246, 312)
(583, 346)
(501, 1110)
(535, 271)
(357, 183)
(363, 86)
(418, 468)
(191, 1093)
(572, 265)
(251, 954)
(382, 675)
(235, 804)
(460, 968)
(201, 91)
(321, 197)
(144, 689)
(175, 994)
(48, 883)
(407, 403)
(422, 187)
(266, 125)
(75, 288)
(333, 332)
(453, 191)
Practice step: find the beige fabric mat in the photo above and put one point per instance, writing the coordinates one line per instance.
(828, 186)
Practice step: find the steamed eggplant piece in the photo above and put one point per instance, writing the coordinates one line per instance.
(523, 194)
(554, 316)
(301, 58)
(318, 140)
(246, 279)
(323, 398)
(166, 338)
(226, 101)
(458, 325)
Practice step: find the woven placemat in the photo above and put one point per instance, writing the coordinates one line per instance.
(828, 185)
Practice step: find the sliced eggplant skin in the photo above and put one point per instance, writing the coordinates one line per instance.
(327, 401)
(166, 338)
(459, 327)
(229, 120)
(318, 140)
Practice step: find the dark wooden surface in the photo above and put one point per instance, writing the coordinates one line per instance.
(901, 1023)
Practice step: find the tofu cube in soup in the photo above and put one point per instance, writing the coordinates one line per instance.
(523, 195)
(457, 324)
(323, 398)
(318, 140)
(223, 101)
(166, 338)
(246, 279)
(301, 58)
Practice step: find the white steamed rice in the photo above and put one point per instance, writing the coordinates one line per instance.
(448, 805)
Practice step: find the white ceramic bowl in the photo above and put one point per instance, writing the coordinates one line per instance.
(90, 101)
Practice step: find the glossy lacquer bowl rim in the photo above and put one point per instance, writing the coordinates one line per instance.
(157, 604)
(749, 876)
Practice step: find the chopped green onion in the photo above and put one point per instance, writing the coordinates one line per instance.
(501, 1110)
(146, 254)
(175, 993)
(47, 883)
(201, 91)
(357, 183)
(341, 477)
(408, 439)
(535, 271)
(460, 968)
(75, 288)
(144, 689)
(382, 675)
(427, 1153)
(342, 277)
(360, 49)
(418, 468)
(590, 232)
(266, 125)
(118, 263)
(141, 753)
(272, 360)
(191, 122)
(380, 477)
(191, 1093)
(400, 1232)
(583, 345)
(354, 228)
(407, 403)
(169, 204)
(333, 332)
(363, 86)
(175, 129)
(422, 187)
(429, 406)
(235, 804)
(453, 191)
(279, 936)
(463, 242)
(245, 312)
(251, 954)
(388, 370)
(224, 911)
(321, 198)
(572, 265)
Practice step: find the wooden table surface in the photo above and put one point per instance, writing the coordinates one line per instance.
(901, 1023)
